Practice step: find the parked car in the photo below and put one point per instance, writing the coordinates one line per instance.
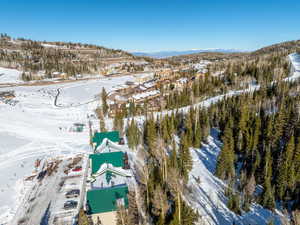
(77, 169)
(70, 204)
(73, 193)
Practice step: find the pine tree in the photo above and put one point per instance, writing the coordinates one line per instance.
(225, 162)
(284, 174)
(150, 135)
(185, 158)
(296, 160)
(197, 136)
(118, 121)
(104, 101)
(133, 134)
(234, 203)
(173, 158)
(268, 199)
(243, 129)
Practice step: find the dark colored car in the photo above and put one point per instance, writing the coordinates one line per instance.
(73, 193)
(70, 204)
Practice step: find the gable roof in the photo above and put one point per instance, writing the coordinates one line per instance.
(114, 136)
(114, 158)
(105, 200)
(108, 146)
(107, 167)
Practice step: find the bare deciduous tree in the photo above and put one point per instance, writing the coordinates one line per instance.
(176, 185)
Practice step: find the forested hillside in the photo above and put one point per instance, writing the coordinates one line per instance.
(260, 131)
(70, 58)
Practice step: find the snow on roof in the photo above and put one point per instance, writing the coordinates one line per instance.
(109, 146)
(120, 98)
(145, 94)
(144, 75)
(143, 88)
(117, 170)
(49, 45)
(115, 158)
(182, 80)
(149, 84)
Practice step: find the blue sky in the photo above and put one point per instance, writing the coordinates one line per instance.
(153, 25)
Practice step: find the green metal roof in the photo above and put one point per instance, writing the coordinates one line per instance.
(104, 200)
(114, 136)
(114, 158)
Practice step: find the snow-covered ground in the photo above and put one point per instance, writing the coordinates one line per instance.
(207, 194)
(36, 128)
(86, 91)
(295, 61)
(10, 76)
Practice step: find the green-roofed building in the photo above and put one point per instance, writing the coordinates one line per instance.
(113, 136)
(114, 158)
(107, 181)
(105, 200)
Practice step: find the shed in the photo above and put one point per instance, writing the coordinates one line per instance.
(78, 127)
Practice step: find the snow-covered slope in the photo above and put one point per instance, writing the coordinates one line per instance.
(295, 61)
(36, 128)
(207, 196)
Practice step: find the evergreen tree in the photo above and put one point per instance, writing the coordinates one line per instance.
(185, 159)
(150, 135)
(284, 174)
(133, 134)
(225, 162)
(268, 199)
(104, 101)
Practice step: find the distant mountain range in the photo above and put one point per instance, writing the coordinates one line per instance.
(166, 54)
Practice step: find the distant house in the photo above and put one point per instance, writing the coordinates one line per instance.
(78, 127)
(140, 97)
(165, 74)
(144, 77)
(98, 138)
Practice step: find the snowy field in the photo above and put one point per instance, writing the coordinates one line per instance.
(88, 91)
(36, 128)
(10, 76)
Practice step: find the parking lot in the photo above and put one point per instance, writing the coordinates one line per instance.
(71, 190)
